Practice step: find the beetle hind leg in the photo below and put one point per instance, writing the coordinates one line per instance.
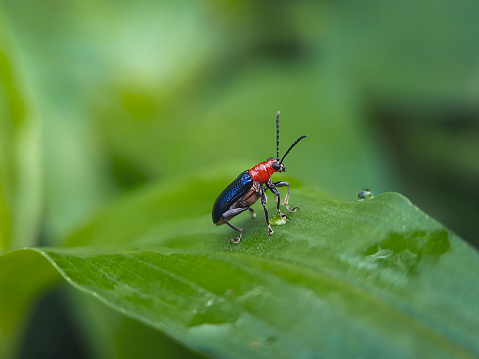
(240, 232)
(232, 213)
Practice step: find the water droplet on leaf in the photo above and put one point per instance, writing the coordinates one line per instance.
(278, 220)
(364, 194)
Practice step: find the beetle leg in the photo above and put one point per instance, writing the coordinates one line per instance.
(282, 184)
(271, 187)
(263, 202)
(232, 213)
(252, 212)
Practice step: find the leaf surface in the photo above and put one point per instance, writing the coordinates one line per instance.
(347, 279)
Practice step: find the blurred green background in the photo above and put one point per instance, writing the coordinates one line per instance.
(99, 99)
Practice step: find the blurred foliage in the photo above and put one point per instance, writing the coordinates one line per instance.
(20, 155)
(99, 99)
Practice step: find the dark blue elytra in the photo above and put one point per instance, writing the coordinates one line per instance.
(231, 194)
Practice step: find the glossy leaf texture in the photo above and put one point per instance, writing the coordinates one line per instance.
(373, 278)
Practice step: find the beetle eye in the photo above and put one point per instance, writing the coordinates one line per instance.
(270, 159)
(276, 166)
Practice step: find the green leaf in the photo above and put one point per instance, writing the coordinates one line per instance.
(110, 334)
(376, 278)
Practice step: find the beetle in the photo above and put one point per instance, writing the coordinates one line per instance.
(250, 186)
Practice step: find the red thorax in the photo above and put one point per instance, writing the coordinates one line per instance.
(262, 171)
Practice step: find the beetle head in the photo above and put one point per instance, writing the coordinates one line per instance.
(275, 165)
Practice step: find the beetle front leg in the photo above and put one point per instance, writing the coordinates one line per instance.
(263, 202)
(282, 184)
(229, 214)
(271, 187)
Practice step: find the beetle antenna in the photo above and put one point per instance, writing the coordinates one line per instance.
(291, 147)
(277, 136)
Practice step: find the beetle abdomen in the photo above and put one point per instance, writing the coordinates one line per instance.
(231, 194)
